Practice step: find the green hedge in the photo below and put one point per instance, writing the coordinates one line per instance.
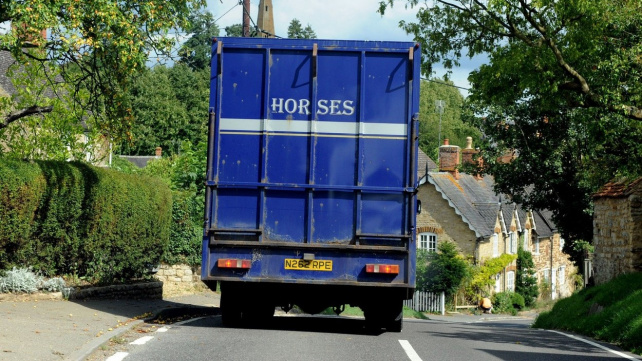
(186, 232)
(72, 218)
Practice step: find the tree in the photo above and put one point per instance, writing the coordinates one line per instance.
(445, 271)
(561, 90)
(51, 131)
(170, 106)
(526, 283)
(296, 31)
(196, 51)
(452, 125)
(100, 46)
(235, 30)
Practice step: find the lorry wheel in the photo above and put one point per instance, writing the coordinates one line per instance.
(388, 315)
(396, 324)
(231, 311)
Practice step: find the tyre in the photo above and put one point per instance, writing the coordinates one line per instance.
(231, 309)
(388, 315)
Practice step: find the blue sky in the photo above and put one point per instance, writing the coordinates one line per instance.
(339, 19)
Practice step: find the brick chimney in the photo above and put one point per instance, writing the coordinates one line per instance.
(159, 152)
(449, 159)
(469, 156)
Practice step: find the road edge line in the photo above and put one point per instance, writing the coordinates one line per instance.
(618, 353)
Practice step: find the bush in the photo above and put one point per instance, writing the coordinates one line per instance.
(22, 187)
(517, 300)
(186, 233)
(503, 302)
(72, 218)
(445, 271)
(24, 280)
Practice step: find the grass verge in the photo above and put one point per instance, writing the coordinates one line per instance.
(611, 312)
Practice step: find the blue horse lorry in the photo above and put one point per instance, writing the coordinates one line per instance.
(311, 177)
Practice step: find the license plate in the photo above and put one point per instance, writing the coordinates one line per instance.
(304, 265)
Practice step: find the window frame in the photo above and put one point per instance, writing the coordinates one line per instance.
(430, 241)
(495, 244)
(510, 281)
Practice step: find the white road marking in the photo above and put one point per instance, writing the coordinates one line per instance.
(141, 341)
(597, 345)
(412, 355)
(163, 329)
(118, 356)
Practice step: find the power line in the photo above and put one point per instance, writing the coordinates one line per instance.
(233, 7)
(259, 30)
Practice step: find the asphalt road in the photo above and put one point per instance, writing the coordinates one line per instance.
(341, 338)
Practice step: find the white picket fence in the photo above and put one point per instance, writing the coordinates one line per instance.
(427, 302)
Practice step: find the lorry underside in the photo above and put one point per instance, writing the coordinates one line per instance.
(250, 302)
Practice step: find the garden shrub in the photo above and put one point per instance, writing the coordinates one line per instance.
(445, 271)
(186, 232)
(517, 300)
(21, 188)
(72, 218)
(502, 302)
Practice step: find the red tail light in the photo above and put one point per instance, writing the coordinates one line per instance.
(382, 268)
(234, 263)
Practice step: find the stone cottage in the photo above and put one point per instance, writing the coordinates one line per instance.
(617, 230)
(464, 209)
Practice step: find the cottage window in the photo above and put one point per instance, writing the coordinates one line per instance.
(526, 239)
(510, 281)
(561, 244)
(512, 245)
(546, 275)
(428, 242)
(498, 284)
(495, 245)
(562, 275)
(536, 246)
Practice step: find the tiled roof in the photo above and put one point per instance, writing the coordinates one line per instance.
(474, 200)
(424, 163)
(617, 189)
(478, 205)
(6, 60)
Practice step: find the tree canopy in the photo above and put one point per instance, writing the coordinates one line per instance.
(170, 106)
(296, 31)
(560, 89)
(99, 46)
(196, 51)
(452, 125)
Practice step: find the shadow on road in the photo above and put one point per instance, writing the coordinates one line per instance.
(297, 323)
(520, 336)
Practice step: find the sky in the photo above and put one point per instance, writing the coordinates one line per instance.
(339, 19)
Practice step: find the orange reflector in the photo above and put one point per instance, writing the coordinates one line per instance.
(382, 268)
(234, 263)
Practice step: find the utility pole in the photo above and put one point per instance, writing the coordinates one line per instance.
(439, 107)
(246, 18)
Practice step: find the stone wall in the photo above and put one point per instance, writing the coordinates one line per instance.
(440, 218)
(617, 236)
(180, 279)
(551, 257)
(143, 290)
